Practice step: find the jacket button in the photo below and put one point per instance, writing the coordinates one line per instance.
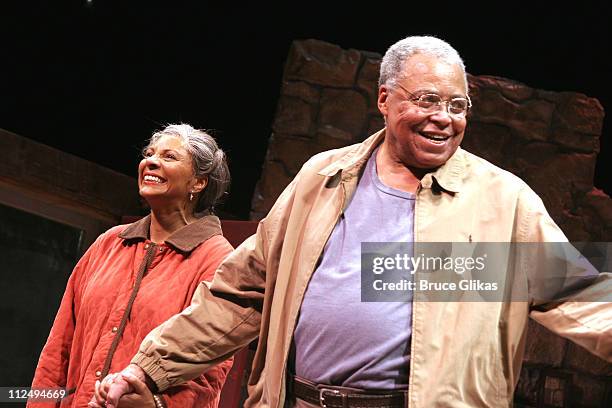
(115, 329)
(98, 373)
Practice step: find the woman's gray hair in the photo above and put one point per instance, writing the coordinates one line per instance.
(393, 60)
(209, 162)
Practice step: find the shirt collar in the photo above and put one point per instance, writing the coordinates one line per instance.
(449, 176)
(185, 239)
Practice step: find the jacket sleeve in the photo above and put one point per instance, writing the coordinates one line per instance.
(582, 312)
(221, 319)
(205, 390)
(217, 323)
(52, 368)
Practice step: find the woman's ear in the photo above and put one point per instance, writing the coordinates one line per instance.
(199, 185)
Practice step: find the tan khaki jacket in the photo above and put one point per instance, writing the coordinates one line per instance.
(463, 354)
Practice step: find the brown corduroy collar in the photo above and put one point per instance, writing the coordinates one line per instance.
(186, 239)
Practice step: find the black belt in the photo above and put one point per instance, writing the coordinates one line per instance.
(339, 397)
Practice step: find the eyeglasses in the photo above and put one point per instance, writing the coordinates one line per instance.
(431, 103)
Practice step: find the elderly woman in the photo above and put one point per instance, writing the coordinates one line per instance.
(136, 276)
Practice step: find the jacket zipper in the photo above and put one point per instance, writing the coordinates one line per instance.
(414, 299)
(144, 267)
(284, 373)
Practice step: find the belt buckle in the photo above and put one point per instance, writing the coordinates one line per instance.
(322, 392)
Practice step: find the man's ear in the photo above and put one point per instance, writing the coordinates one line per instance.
(199, 185)
(383, 94)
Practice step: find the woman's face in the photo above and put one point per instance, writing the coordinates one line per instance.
(165, 174)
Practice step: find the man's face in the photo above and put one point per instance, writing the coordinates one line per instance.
(415, 138)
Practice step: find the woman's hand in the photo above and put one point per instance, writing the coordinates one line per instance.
(100, 392)
(114, 386)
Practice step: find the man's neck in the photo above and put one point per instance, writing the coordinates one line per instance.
(395, 174)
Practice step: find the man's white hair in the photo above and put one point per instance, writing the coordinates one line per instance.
(398, 53)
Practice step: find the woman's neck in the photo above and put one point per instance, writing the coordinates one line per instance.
(165, 222)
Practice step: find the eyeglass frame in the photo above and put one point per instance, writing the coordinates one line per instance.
(414, 99)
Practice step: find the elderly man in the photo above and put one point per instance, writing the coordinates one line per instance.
(295, 284)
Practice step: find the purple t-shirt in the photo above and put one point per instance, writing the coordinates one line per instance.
(340, 340)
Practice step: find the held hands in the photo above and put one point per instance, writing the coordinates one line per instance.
(128, 385)
(140, 398)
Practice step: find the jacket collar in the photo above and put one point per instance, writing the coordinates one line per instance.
(449, 176)
(356, 156)
(186, 239)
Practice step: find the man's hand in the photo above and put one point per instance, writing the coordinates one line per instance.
(114, 386)
(142, 397)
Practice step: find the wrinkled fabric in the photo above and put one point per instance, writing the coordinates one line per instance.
(373, 359)
(463, 354)
(96, 298)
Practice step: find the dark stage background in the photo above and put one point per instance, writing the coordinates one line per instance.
(96, 78)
